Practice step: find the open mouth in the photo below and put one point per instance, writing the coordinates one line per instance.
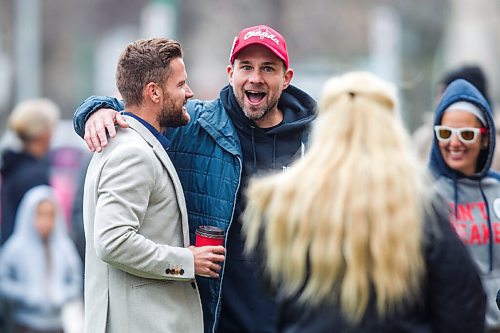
(254, 97)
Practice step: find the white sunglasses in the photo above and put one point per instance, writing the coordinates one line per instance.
(465, 134)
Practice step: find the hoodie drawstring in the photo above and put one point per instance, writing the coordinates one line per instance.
(455, 198)
(490, 247)
(274, 151)
(253, 149)
(254, 152)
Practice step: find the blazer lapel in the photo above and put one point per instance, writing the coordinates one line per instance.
(167, 163)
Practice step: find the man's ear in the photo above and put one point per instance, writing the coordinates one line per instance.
(287, 78)
(153, 92)
(230, 72)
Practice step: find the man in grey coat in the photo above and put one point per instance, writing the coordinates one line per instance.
(140, 268)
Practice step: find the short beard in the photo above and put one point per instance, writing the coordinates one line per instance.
(172, 119)
(255, 115)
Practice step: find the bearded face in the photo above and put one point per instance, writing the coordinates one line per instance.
(176, 93)
(258, 78)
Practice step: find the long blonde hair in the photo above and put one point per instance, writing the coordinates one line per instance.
(346, 219)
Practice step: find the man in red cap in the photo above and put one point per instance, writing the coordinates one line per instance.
(259, 123)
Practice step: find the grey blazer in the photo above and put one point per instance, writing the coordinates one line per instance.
(139, 275)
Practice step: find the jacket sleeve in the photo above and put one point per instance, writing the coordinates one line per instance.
(89, 106)
(456, 300)
(124, 188)
(11, 286)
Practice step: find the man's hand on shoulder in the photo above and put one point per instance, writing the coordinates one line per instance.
(100, 122)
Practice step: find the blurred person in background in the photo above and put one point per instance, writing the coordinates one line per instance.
(461, 157)
(424, 135)
(470, 72)
(351, 238)
(77, 231)
(32, 122)
(260, 122)
(40, 270)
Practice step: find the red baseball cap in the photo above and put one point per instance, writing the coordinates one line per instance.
(261, 35)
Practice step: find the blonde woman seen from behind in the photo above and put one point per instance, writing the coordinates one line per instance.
(349, 236)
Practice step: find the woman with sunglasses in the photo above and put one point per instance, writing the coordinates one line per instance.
(460, 161)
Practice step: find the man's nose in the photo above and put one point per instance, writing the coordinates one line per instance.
(189, 92)
(256, 77)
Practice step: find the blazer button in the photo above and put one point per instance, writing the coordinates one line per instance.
(181, 271)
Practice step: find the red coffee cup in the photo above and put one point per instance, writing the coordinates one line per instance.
(209, 235)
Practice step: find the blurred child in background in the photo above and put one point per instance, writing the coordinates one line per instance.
(40, 270)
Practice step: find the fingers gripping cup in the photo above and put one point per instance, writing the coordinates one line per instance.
(208, 235)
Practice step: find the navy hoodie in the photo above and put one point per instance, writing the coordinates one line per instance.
(20, 172)
(245, 305)
(474, 200)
